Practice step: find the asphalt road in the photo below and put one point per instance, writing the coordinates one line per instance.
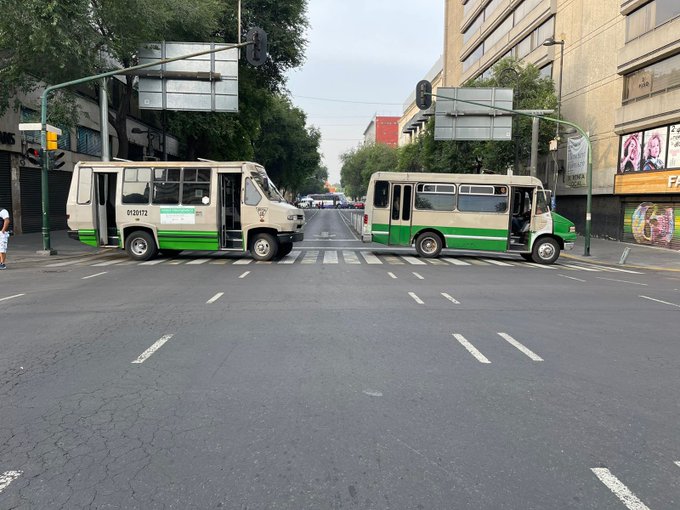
(344, 376)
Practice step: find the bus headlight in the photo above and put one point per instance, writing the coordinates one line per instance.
(292, 217)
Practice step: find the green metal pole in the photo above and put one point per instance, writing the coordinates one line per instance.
(589, 170)
(43, 133)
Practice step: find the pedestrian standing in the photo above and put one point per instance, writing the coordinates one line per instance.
(4, 237)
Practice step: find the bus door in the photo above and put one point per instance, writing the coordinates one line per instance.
(231, 232)
(542, 219)
(520, 218)
(105, 208)
(400, 214)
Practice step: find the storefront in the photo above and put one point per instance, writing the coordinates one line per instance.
(648, 183)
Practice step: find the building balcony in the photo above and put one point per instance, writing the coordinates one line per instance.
(649, 112)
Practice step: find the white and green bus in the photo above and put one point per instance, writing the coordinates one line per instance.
(502, 213)
(147, 207)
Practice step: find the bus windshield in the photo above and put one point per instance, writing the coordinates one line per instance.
(267, 186)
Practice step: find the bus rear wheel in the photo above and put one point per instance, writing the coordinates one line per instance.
(545, 251)
(429, 245)
(264, 246)
(140, 245)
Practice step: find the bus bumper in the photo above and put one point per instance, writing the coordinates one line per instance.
(568, 246)
(291, 237)
(367, 238)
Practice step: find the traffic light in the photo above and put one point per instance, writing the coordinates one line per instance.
(52, 143)
(58, 160)
(256, 51)
(424, 94)
(34, 156)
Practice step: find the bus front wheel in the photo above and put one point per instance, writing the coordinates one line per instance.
(264, 246)
(428, 245)
(545, 251)
(140, 245)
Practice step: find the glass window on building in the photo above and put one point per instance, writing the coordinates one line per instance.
(473, 28)
(30, 115)
(658, 77)
(546, 72)
(650, 16)
(473, 57)
(89, 141)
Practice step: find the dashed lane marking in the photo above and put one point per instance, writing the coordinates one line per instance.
(157, 345)
(244, 274)
(571, 277)
(619, 489)
(416, 298)
(93, 275)
(8, 477)
(620, 281)
(524, 350)
(214, 298)
(471, 348)
(454, 301)
(660, 301)
(420, 277)
(392, 275)
(11, 297)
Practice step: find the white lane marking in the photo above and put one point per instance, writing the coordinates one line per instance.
(214, 298)
(418, 276)
(616, 269)
(242, 262)
(392, 275)
(471, 348)
(416, 298)
(370, 258)
(244, 274)
(8, 477)
(154, 262)
(496, 262)
(11, 297)
(220, 261)
(621, 281)
(571, 277)
(540, 266)
(457, 262)
(330, 257)
(310, 257)
(520, 347)
(413, 260)
(677, 463)
(93, 275)
(580, 268)
(619, 489)
(108, 263)
(350, 257)
(394, 260)
(197, 261)
(659, 301)
(157, 345)
(176, 262)
(450, 298)
(290, 258)
(372, 393)
(436, 262)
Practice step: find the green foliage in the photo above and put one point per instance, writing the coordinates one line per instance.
(359, 164)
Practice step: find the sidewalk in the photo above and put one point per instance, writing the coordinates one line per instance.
(24, 248)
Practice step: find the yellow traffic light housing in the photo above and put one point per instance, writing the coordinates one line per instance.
(52, 144)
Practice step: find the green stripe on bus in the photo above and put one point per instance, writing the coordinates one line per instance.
(454, 237)
(88, 236)
(188, 240)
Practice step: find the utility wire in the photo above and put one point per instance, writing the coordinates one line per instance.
(347, 101)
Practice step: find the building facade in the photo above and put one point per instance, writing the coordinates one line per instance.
(619, 81)
(20, 179)
(383, 129)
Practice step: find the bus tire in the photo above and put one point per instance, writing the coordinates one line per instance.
(170, 253)
(429, 245)
(140, 245)
(529, 257)
(545, 251)
(264, 246)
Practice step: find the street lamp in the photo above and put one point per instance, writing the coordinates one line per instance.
(149, 139)
(515, 120)
(550, 41)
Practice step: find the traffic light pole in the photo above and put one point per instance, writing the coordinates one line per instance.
(47, 250)
(589, 171)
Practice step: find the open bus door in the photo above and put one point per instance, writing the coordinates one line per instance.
(105, 208)
(400, 214)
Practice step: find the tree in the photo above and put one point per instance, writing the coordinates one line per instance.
(359, 164)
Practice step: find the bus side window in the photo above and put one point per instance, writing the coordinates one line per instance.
(380, 197)
(253, 196)
(85, 186)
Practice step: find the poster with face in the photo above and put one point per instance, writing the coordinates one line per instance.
(655, 149)
(673, 147)
(631, 152)
(653, 224)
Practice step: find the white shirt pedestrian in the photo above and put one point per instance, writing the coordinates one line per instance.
(4, 236)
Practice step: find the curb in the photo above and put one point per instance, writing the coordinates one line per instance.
(614, 264)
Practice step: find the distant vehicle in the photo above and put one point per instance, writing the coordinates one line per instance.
(305, 203)
(357, 205)
(146, 207)
(503, 213)
(329, 200)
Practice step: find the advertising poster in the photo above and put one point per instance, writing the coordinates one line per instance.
(655, 150)
(652, 224)
(631, 152)
(577, 162)
(673, 147)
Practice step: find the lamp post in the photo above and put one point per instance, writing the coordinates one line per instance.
(550, 41)
(516, 124)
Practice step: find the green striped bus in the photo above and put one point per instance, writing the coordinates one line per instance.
(433, 211)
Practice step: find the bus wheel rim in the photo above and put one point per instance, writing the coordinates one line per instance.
(139, 246)
(546, 251)
(428, 245)
(262, 247)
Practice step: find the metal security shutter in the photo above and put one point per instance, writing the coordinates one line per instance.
(650, 222)
(5, 182)
(31, 199)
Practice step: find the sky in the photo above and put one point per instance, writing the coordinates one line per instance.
(363, 58)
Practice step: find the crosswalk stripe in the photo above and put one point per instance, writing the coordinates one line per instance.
(477, 262)
(310, 257)
(457, 262)
(413, 260)
(242, 262)
(540, 266)
(370, 258)
(350, 257)
(393, 260)
(197, 261)
(175, 262)
(615, 269)
(330, 257)
(497, 262)
(108, 262)
(154, 262)
(581, 268)
(290, 258)
(220, 261)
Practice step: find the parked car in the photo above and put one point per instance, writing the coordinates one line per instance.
(357, 205)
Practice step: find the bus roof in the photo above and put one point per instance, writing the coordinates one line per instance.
(525, 180)
(170, 164)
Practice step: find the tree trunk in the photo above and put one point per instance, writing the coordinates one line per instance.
(120, 120)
